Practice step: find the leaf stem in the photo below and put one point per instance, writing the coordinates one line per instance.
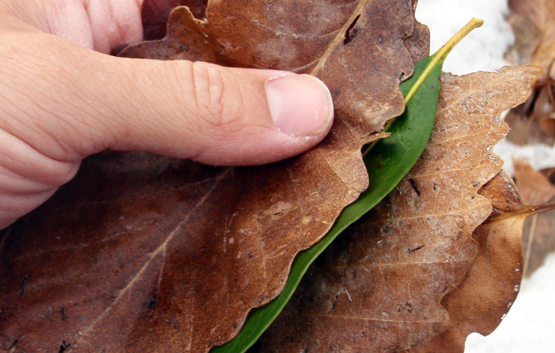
(523, 211)
(444, 51)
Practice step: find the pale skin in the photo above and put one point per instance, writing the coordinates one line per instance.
(62, 98)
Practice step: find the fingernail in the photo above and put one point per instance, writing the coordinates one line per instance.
(300, 104)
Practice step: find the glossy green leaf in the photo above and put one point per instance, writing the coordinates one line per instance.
(387, 161)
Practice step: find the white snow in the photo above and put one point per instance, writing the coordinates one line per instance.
(539, 156)
(483, 48)
(529, 326)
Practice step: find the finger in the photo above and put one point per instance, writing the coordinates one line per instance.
(79, 102)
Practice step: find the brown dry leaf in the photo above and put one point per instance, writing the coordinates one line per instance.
(483, 298)
(542, 241)
(527, 39)
(155, 15)
(144, 253)
(542, 14)
(534, 187)
(379, 287)
(534, 121)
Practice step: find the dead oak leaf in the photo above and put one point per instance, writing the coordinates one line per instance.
(537, 240)
(542, 14)
(534, 121)
(145, 253)
(536, 189)
(379, 287)
(481, 301)
(533, 186)
(527, 39)
(155, 15)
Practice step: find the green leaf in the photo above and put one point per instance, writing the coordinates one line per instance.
(387, 161)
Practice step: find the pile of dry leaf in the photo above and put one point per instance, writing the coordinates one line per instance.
(142, 253)
(533, 122)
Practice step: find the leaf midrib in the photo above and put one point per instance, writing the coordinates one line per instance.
(338, 38)
(158, 250)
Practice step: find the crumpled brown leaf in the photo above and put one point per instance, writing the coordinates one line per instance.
(484, 297)
(533, 186)
(538, 235)
(536, 189)
(155, 15)
(527, 39)
(534, 121)
(380, 286)
(145, 253)
(542, 14)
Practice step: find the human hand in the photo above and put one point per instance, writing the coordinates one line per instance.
(61, 101)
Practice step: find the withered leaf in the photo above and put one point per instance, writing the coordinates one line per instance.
(527, 39)
(379, 287)
(145, 253)
(542, 14)
(533, 186)
(538, 241)
(534, 121)
(155, 15)
(483, 298)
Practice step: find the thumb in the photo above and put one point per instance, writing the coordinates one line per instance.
(218, 115)
(83, 102)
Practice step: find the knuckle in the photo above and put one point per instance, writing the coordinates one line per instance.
(217, 98)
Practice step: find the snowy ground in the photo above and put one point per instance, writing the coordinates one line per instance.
(529, 326)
